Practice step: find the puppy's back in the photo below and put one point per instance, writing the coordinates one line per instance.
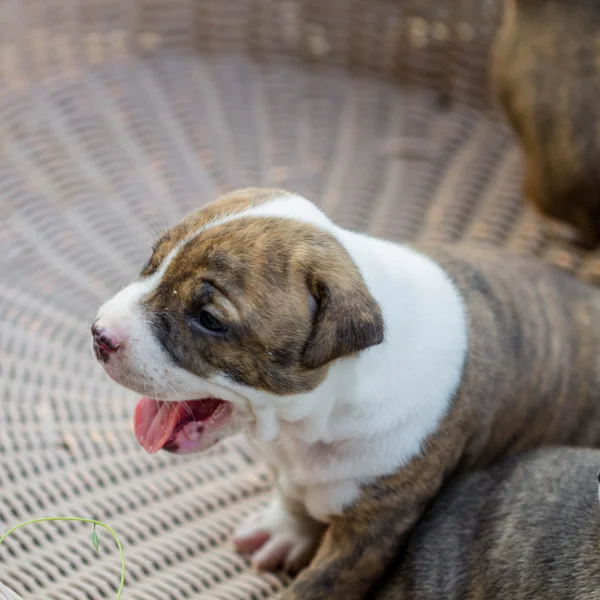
(526, 528)
(532, 375)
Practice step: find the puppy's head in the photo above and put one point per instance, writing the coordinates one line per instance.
(252, 292)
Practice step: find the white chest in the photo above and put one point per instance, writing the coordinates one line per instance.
(306, 473)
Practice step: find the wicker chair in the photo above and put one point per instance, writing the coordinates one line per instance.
(119, 116)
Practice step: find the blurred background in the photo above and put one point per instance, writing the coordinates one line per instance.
(117, 117)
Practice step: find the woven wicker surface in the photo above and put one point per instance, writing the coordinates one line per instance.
(116, 118)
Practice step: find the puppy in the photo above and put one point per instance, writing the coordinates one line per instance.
(527, 528)
(546, 73)
(365, 372)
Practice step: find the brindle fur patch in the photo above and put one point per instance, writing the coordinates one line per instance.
(546, 74)
(255, 274)
(228, 204)
(527, 528)
(531, 379)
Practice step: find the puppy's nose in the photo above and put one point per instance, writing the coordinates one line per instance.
(104, 343)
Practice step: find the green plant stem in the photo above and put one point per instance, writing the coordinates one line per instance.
(80, 520)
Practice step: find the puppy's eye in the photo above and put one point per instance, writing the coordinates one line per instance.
(209, 322)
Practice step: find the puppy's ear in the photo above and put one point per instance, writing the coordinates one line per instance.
(347, 318)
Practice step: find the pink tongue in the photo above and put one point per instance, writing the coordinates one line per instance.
(154, 422)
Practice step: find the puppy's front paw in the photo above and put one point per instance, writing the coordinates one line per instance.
(277, 538)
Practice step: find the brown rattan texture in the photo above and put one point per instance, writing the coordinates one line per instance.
(119, 116)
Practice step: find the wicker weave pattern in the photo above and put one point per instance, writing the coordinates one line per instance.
(116, 118)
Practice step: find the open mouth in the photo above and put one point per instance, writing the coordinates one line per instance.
(178, 426)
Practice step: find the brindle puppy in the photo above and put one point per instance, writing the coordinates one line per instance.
(365, 372)
(527, 528)
(546, 71)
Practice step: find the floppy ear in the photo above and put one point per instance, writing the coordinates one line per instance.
(347, 318)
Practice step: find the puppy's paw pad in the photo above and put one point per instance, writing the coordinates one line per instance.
(275, 538)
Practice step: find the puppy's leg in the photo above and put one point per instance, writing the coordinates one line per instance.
(360, 544)
(354, 554)
(282, 535)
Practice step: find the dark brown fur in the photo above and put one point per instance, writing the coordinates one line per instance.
(527, 528)
(546, 72)
(228, 204)
(532, 378)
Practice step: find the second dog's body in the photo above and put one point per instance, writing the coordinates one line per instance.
(366, 372)
(547, 76)
(527, 528)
